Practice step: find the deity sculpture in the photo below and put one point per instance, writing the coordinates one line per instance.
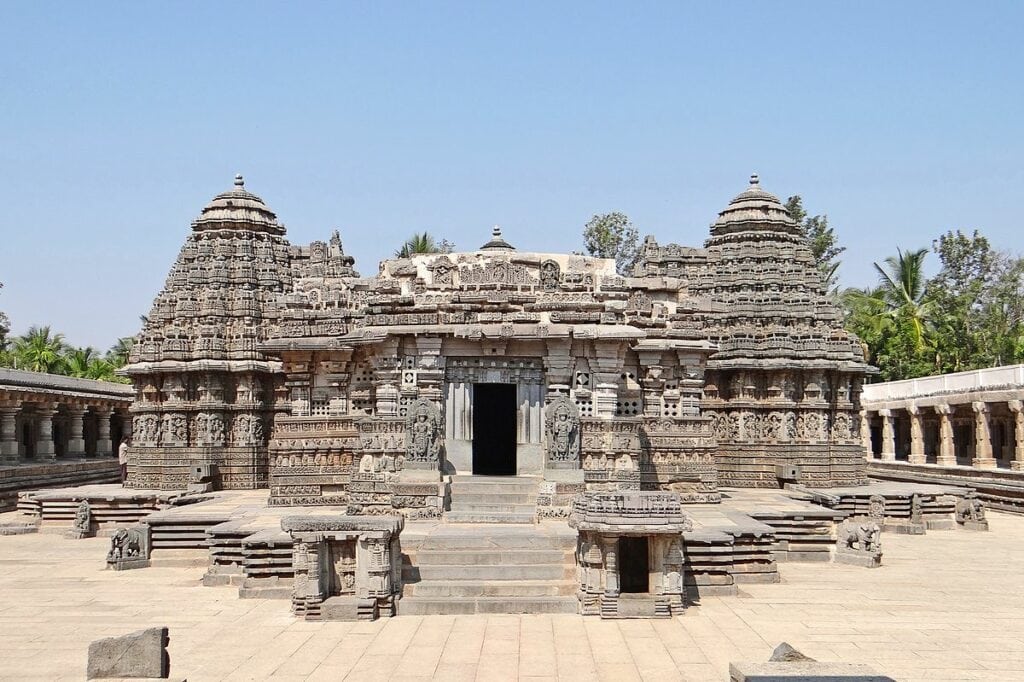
(423, 432)
(563, 426)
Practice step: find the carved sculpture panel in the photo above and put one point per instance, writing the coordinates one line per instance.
(562, 424)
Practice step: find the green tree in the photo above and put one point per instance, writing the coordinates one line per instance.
(821, 237)
(612, 235)
(902, 283)
(39, 350)
(119, 352)
(977, 295)
(423, 242)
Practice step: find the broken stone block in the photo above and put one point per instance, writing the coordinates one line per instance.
(804, 671)
(141, 654)
(785, 652)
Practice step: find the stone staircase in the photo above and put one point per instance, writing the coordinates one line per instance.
(506, 568)
(493, 499)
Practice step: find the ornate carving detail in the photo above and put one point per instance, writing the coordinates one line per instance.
(562, 423)
(550, 275)
(863, 537)
(423, 430)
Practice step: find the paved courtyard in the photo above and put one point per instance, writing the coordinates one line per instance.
(947, 606)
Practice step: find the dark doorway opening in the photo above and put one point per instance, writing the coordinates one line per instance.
(634, 570)
(494, 429)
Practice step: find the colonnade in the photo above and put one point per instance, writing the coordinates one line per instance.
(44, 418)
(981, 434)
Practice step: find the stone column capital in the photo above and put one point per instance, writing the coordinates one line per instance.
(943, 410)
(1015, 406)
(980, 407)
(885, 413)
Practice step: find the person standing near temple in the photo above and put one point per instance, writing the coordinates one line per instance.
(122, 459)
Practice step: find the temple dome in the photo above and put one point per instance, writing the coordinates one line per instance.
(754, 209)
(238, 209)
(497, 242)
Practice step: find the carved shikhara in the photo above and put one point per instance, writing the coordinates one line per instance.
(280, 367)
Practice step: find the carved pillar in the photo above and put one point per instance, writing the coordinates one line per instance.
(1018, 434)
(103, 444)
(888, 436)
(983, 458)
(44, 440)
(9, 434)
(865, 434)
(947, 446)
(76, 441)
(610, 548)
(917, 455)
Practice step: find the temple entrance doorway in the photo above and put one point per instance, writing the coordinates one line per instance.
(494, 429)
(634, 569)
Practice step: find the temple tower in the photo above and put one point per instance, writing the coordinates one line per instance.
(204, 392)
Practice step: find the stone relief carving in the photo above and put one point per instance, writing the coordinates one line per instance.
(423, 432)
(864, 536)
(550, 274)
(562, 422)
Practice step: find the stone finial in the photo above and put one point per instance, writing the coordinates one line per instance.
(239, 181)
(496, 232)
(755, 181)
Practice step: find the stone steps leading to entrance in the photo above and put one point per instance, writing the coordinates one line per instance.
(499, 568)
(430, 606)
(493, 499)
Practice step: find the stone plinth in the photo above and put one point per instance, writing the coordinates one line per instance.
(804, 671)
(346, 567)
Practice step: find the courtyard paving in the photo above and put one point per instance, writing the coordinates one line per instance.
(946, 606)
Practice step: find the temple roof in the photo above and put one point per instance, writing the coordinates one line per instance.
(497, 242)
(238, 209)
(754, 208)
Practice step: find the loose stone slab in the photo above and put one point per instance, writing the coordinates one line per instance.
(804, 671)
(141, 654)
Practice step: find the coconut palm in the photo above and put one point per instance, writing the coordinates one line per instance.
(118, 353)
(39, 350)
(419, 242)
(902, 288)
(78, 360)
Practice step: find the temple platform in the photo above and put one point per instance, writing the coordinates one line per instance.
(453, 568)
(57, 473)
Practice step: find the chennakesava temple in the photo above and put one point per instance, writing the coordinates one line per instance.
(498, 429)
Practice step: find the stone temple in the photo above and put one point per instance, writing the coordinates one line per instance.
(280, 366)
(496, 430)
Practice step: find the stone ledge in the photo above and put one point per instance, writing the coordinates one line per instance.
(804, 671)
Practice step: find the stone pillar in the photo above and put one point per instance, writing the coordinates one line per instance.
(947, 445)
(44, 441)
(917, 455)
(1017, 408)
(9, 434)
(983, 458)
(610, 549)
(865, 434)
(103, 445)
(888, 436)
(76, 441)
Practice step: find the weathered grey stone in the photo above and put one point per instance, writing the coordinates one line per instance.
(141, 654)
(785, 652)
(806, 671)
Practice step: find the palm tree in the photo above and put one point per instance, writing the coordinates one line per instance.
(118, 353)
(419, 242)
(40, 351)
(78, 360)
(902, 289)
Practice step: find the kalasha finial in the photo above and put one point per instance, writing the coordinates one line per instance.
(239, 181)
(754, 180)
(496, 231)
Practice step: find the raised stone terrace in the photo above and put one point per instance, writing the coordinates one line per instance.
(944, 606)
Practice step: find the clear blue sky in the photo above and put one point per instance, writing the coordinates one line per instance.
(899, 120)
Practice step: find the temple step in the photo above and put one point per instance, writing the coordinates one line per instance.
(493, 499)
(491, 569)
(424, 606)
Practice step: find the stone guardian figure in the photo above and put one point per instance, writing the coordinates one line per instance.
(562, 423)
